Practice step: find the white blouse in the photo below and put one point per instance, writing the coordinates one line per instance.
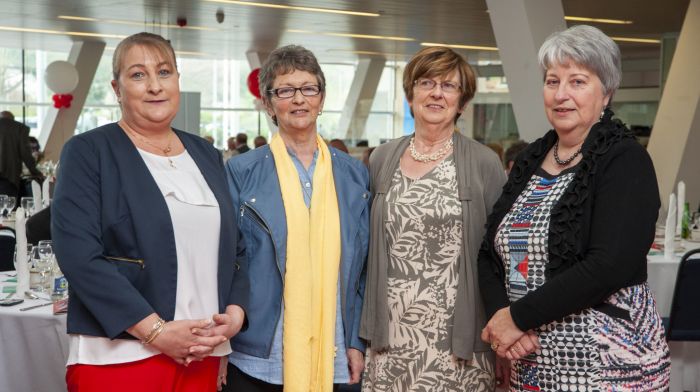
(196, 222)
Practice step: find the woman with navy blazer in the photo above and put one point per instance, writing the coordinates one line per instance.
(143, 230)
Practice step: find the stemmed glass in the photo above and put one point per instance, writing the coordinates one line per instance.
(10, 205)
(43, 260)
(3, 201)
(28, 204)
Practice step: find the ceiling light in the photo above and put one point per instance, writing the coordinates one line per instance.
(349, 35)
(470, 47)
(56, 32)
(186, 53)
(370, 53)
(597, 20)
(638, 40)
(77, 18)
(295, 8)
(132, 23)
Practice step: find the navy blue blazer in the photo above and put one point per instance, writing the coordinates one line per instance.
(113, 235)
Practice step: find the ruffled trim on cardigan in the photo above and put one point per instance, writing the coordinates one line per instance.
(565, 222)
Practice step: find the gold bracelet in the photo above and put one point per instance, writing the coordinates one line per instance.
(155, 331)
(155, 334)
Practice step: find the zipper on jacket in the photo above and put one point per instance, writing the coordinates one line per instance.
(128, 260)
(247, 209)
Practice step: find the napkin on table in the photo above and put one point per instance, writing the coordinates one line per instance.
(36, 194)
(670, 234)
(681, 207)
(22, 260)
(45, 197)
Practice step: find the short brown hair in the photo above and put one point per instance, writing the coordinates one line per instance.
(149, 40)
(435, 61)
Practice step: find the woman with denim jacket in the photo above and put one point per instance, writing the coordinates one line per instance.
(303, 215)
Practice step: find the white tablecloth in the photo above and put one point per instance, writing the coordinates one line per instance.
(685, 356)
(33, 347)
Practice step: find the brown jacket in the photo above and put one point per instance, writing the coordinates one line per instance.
(480, 177)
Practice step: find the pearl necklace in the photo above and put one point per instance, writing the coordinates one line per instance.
(166, 151)
(567, 160)
(425, 158)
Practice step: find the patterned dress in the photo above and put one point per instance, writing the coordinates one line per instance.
(597, 349)
(424, 238)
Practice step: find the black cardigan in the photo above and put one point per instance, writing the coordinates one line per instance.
(600, 230)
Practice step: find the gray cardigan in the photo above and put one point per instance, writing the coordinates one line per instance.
(480, 177)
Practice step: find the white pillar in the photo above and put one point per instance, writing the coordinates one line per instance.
(256, 60)
(675, 139)
(520, 27)
(59, 124)
(359, 102)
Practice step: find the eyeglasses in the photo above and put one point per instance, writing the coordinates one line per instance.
(429, 84)
(288, 92)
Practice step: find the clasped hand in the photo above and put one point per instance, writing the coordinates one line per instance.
(186, 341)
(506, 339)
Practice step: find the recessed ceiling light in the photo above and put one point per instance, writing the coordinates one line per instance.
(470, 47)
(132, 23)
(597, 20)
(369, 52)
(349, 35)
(638, 40)
(56, 32)
(296, 8)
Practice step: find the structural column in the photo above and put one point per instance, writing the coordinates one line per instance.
(59, 124)
(256, 60)
(359, 102)
(674, 145)
(520, 28)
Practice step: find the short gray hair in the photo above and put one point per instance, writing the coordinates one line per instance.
(587, 47)
(288, 59)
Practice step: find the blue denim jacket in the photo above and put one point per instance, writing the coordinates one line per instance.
(262, 243)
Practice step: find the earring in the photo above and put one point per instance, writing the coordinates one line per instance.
(320, 112)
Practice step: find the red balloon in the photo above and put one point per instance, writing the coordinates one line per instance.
(62, 100)
(253, 83)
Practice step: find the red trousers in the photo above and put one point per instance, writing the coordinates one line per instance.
(154, 374)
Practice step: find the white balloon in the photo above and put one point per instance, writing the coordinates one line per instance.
(61, 77)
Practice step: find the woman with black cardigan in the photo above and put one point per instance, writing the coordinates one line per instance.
(564, 257)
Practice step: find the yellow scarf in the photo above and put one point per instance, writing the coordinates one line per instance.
(311, 277)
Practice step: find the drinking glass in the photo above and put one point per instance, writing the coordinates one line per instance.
(3, 201)
(42, 255)
(28, 204)
(10, 204)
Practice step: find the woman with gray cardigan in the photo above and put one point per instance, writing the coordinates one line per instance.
(432, 190)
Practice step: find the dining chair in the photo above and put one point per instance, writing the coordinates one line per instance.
(7, 249)
(684, 321)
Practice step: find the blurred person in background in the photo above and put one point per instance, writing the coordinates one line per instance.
(512, 153)
(339, 144)
(15, 150)
(242, 143)
(259, 141)
(230, 149)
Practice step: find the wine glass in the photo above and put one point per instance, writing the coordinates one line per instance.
(28, 204)
(43, 260)
(10, 203)
(3, 201)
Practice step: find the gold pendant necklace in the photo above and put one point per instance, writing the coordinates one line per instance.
(166, 151)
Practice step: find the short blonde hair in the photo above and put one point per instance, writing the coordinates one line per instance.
(435, 61)
(149, 40)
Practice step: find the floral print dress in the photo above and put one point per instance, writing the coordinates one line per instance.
(424, 238)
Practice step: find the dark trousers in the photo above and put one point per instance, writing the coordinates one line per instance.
(8, 188)
(237, 381)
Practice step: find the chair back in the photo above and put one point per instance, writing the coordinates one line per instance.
(684, 322)
(7, 249)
